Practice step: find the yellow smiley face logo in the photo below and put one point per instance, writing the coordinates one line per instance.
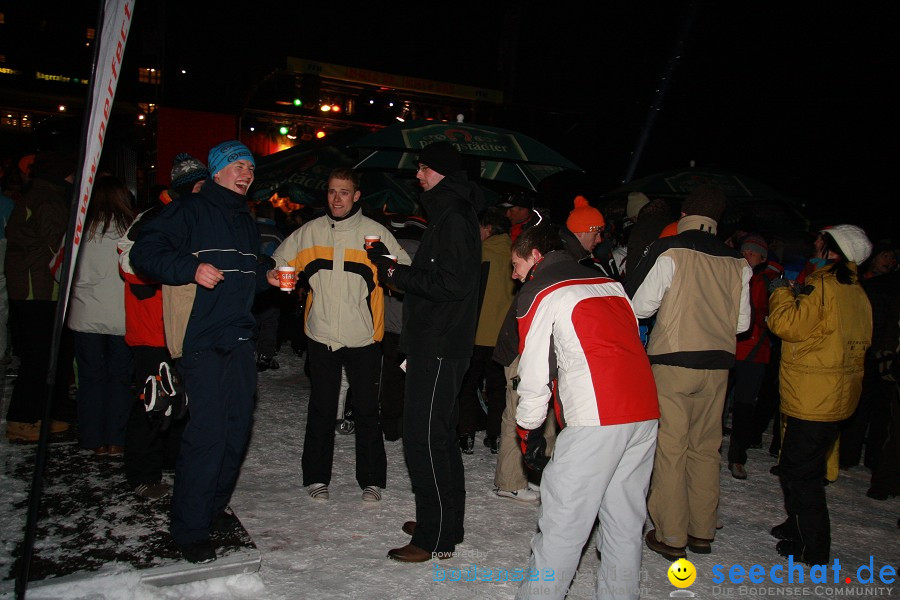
(682, 573)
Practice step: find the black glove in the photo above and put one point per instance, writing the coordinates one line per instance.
(778, 283)
(377, 249)
(534, 448)
(377, 256)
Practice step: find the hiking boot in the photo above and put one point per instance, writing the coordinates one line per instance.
(198, 552)
(492, 443)
(669, 552)
(523, 495)
(317, 491)
(467, 444)
(785, 531)
(153, 491)
(737, 471)
(371, 493)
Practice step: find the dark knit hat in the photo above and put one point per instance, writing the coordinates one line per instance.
(706, 201)
(186, 171)
(441, 157)
(755, 243)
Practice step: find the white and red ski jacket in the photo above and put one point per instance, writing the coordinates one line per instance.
(580, 329)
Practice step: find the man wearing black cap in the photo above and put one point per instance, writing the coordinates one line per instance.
(520, 212)
(440, 310)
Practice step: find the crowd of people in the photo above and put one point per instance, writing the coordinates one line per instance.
(604, 361)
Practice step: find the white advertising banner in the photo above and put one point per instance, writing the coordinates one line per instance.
(117, 18)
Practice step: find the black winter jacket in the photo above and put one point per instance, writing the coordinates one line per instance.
(440, 308)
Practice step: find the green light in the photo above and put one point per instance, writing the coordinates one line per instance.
(298, 102)
(283, 130)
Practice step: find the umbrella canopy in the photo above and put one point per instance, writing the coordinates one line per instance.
(751, 203)
(505, 156)
(300, 175)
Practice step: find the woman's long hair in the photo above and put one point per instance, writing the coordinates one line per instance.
(844, 274)
(110, 207)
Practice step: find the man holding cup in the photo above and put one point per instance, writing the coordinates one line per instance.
(440, 310)
(205, 246)
(344, 323)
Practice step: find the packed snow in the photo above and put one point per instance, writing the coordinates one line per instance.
(337, 549)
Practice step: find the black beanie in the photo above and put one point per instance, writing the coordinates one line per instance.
(706, 201)
(441, 157)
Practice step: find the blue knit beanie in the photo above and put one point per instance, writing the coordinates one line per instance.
(226, 153)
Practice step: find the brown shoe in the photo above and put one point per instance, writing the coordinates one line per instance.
(670, 552)
(699, 545)
(409, 528)
(101, 451)
(116, 451)
(414, 554)
(737, 471)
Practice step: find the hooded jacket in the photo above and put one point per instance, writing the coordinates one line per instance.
(212, 226)
(825, 331)
(440, 306)
(346, 304)
(698, 288)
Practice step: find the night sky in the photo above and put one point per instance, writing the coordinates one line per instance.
(801, 96)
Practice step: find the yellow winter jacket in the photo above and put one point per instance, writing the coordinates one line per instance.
(825, 331)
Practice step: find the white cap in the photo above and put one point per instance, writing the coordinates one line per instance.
(852, 241)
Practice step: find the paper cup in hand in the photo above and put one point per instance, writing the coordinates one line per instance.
(286, 278)
(370, 241)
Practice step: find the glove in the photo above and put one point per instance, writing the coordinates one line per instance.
(534, 448)
(384, 264)
(164, 397)
(377, 249)
(778, 283)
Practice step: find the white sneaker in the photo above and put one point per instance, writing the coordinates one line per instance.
(317, 491)
(371, 493)
(523, 495)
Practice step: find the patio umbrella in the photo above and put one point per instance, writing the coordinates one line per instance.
(751, 203)
(300, 175)
(505, 156)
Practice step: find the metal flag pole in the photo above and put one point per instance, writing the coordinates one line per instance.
(658, 98)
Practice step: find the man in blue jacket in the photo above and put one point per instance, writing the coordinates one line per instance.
(208, 241)
(440, 310)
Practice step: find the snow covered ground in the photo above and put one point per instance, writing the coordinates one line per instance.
(337, 549)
